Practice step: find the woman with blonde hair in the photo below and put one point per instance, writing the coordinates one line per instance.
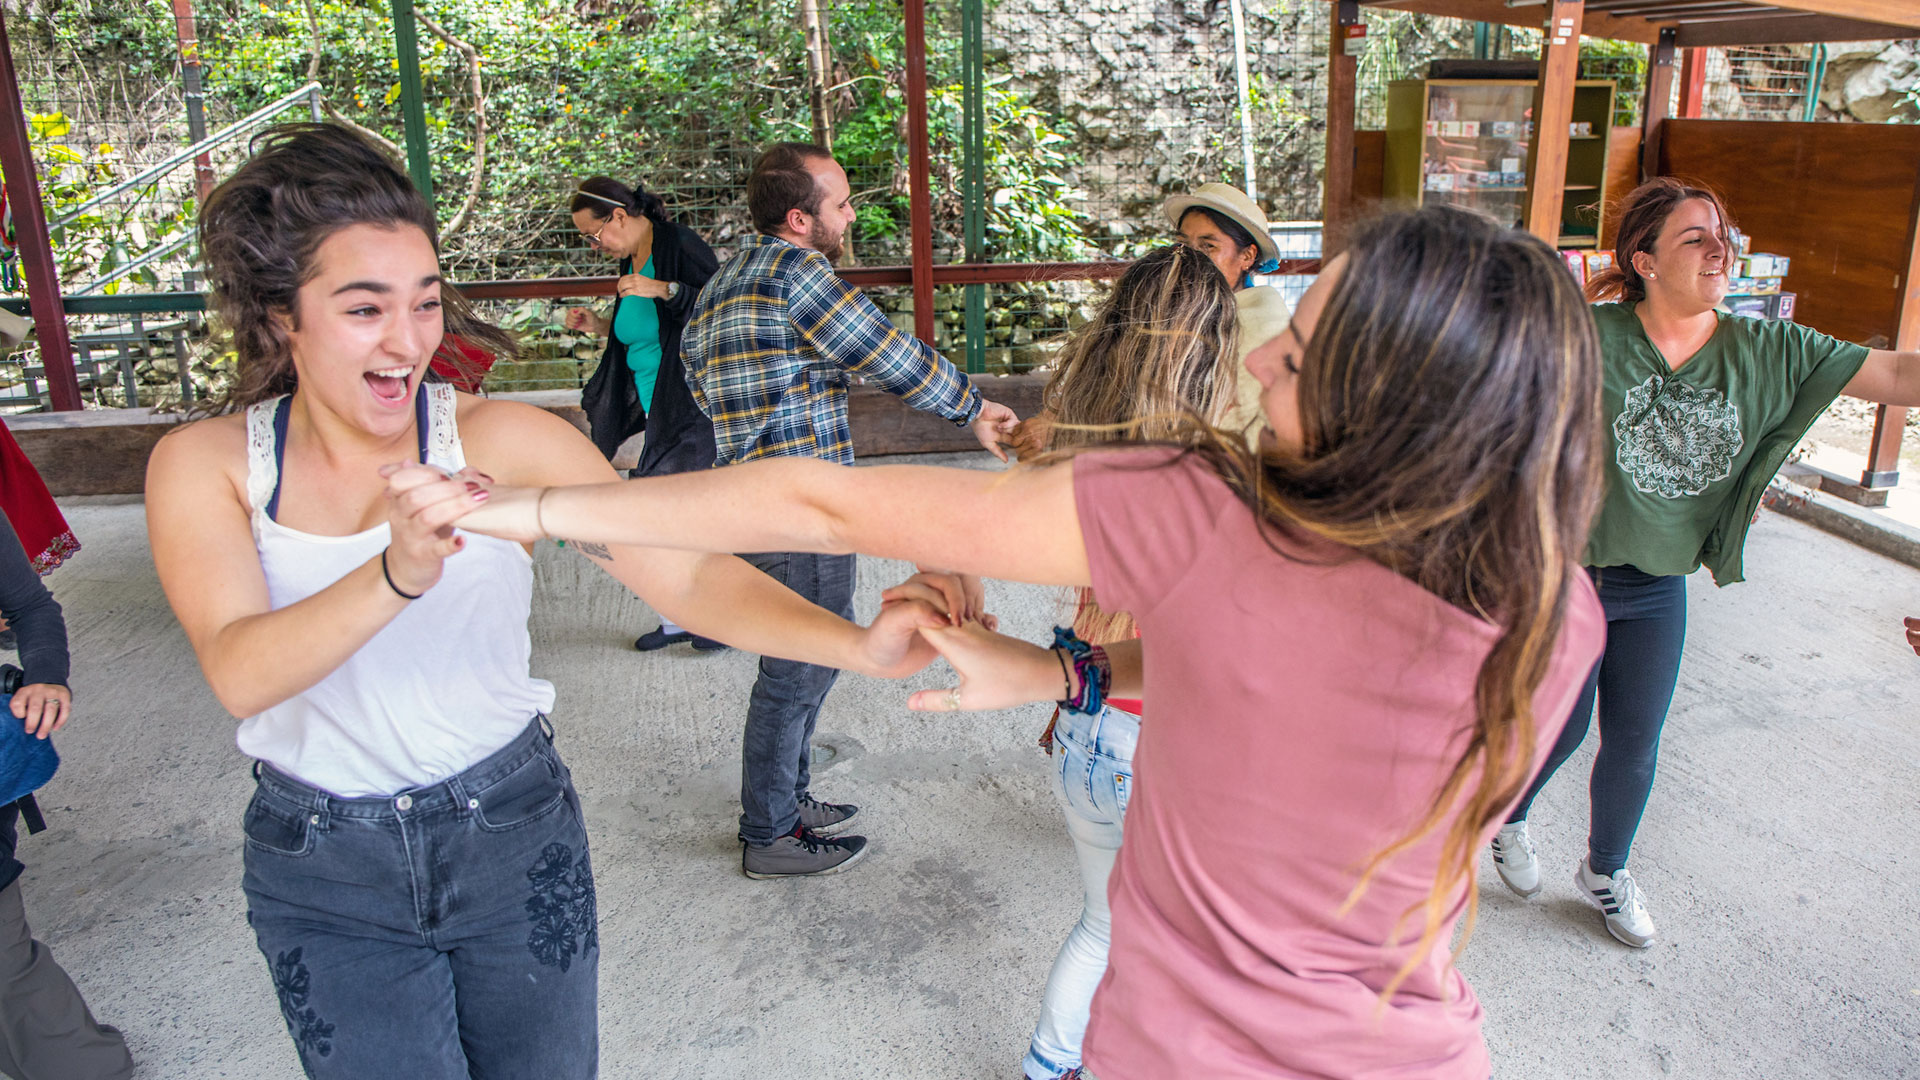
(1155, 363)
(1357, 645)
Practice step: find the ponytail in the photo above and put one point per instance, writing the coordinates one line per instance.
(602, 194)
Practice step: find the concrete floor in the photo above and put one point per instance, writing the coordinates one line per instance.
(1778, 853)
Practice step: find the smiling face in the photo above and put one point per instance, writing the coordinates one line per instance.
(1687, 269)
(1199, 232)
(367, 323)
(1276, 364)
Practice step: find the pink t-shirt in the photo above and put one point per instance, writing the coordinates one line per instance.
(1305, 712)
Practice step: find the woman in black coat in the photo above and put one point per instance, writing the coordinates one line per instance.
(640, 385)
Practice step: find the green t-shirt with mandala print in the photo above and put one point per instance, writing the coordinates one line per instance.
(1690, 452)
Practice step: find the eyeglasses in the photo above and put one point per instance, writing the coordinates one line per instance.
(593, 237)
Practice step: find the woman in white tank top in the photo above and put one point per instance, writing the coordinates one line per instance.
(417, 872)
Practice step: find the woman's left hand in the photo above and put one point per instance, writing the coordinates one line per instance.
(642, 286)
(46, 707)
(962, 596)
(992, 671)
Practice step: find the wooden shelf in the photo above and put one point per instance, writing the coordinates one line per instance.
(1583, 187)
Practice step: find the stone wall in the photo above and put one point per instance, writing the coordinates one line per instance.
(1872, 81)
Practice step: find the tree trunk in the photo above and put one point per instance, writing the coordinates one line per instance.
(819, 70)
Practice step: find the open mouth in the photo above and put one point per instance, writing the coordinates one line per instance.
(389, 385)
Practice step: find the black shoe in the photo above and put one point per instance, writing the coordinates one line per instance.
(802, 854)
(658, 638)
(824, 819)
(707, 644)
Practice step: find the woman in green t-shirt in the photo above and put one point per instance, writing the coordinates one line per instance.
(1702, 409)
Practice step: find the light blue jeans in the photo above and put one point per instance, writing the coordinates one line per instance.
(1093, 778)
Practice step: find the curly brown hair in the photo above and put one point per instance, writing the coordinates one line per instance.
(260, 230)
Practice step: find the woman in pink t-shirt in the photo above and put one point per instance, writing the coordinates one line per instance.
(1362, 642)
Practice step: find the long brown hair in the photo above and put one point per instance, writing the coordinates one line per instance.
(1155, 363)
(1450, 407)
(261, 228)
(1643, 213)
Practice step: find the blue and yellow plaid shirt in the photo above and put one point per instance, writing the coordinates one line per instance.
(775, 336)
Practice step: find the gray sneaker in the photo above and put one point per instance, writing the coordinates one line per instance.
(802, 854)
(825, 818)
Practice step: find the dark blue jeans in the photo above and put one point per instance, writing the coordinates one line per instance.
(1646, 631)
(445, 933)
(775, 757)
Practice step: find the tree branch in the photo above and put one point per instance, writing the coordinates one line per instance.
(313, 75)
(478, 179)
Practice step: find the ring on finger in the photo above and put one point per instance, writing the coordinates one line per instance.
(953, 700)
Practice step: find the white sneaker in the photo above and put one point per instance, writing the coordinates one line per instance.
(1619, 898)
(1513, 857)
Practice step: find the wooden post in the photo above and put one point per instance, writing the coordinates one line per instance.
(1552, 113)
(919, 171)
(1889, 423)
(1659, 92)
(30, 226)
(1337, 178)
(1693, 83)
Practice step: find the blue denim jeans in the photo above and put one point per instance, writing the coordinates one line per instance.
(444, 933)
(1093, 779)
(776, 753)
(1633, 683)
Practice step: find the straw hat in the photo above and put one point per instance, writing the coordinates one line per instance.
(1231, 201)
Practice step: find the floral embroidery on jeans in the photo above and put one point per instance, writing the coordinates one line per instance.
(292, 982)
(561, 908)
(1676, 439)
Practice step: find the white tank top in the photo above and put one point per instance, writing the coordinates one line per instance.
(439, 688)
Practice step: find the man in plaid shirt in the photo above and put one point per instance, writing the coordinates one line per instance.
(774, 339)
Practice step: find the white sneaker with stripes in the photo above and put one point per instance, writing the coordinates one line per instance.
(1619, 899)
(1513, 857)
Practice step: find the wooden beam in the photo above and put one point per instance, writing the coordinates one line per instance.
(1337, 178)
(919, 172)
(1528, 15)
(1781, 28)
(1899, 13)
(1552, 113)
(30, 226)
(1653, 112)
(1889, 424)
(1693, 83)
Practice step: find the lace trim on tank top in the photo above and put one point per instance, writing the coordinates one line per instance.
(443, 446)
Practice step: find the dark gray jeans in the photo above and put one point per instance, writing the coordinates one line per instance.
(775, 766)
(444, 933)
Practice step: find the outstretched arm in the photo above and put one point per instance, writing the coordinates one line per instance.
(713, 595)
(1020, 525)
(1888, 377)
(999, 672)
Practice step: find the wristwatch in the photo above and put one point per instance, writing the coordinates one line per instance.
(673, 289)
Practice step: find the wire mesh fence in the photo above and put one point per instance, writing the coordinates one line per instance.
(1092, 112)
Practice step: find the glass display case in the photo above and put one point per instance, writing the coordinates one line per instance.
(1464, 142)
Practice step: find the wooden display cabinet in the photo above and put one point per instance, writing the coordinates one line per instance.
(1463, 142)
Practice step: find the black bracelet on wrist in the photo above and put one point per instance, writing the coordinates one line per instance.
(1066, 679)
(388, 574)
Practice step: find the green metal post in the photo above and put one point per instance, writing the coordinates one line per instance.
(413, 106)
(973, 171)
(1479, 41)
(1813, 83)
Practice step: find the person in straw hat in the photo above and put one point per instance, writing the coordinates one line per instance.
(1221, 222)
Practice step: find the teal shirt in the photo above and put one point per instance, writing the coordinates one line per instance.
(636, 322)
(1690, 452)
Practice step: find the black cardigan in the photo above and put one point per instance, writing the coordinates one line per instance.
(679, 435)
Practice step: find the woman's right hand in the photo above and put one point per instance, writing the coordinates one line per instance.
(995, 671)
(1032, 437)
(585, 321)
(423, 503)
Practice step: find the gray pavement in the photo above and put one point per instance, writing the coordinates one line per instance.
(1778, 854)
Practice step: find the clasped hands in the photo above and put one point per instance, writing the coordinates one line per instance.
(946, 610)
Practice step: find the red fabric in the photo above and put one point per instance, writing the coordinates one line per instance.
(29, 506)
(461, 363)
